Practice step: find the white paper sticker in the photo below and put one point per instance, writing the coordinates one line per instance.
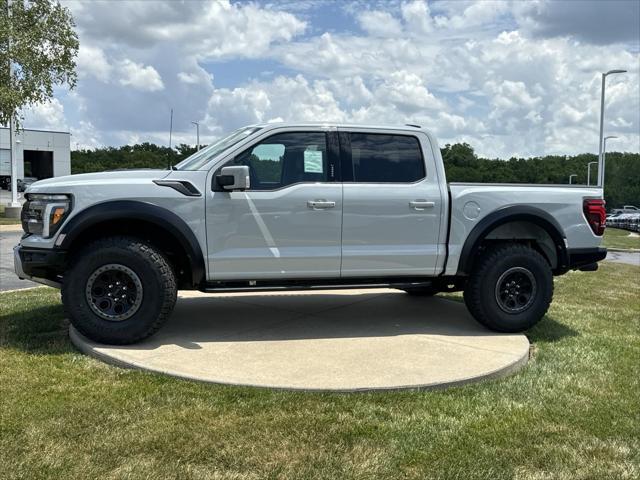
(312, 161)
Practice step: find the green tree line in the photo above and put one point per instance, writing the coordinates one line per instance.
(622, 180)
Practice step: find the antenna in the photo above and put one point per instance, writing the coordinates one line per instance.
(170, 134)
(170, 127)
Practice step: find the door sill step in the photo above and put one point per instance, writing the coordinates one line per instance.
(301, 285)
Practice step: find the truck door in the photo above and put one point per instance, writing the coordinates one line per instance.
(287, 224)
(392, 204)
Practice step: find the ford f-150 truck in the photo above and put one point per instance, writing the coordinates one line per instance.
(302, 206)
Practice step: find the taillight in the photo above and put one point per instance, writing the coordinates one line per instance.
(596, 215)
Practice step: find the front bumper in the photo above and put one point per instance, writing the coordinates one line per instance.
(39, 264)
(585, 258)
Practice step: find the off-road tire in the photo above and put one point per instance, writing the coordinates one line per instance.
(481, 297)
(157, 279)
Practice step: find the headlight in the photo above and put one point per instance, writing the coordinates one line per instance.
(43, 214)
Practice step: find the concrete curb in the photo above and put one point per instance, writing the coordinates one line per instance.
(23, 289)
(624, 250)
(11, 228)
(89, 348)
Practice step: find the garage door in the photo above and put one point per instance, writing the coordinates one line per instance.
(5, 162)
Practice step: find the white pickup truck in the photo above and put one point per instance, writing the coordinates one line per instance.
(302, 206)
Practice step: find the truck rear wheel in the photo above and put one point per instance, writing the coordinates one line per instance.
(510, 288)
(118, 290)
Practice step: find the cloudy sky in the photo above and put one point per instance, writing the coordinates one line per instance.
(508, 77)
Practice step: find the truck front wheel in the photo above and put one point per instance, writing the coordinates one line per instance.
(118, 290)
(510, 288)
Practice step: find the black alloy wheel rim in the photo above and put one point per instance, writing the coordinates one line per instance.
(515, 290)
(114, 292)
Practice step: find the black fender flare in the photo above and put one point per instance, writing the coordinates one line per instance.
(513, 213)
(143, 211)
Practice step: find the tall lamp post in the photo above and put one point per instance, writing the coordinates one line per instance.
(197, 135)
(601, 144)
(571, 176)
(589, 171)
(13, 206)
(604, 154)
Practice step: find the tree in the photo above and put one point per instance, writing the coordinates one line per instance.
(38, 47)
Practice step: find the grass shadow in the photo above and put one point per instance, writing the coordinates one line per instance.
(550, 330)
(547, 330)
(38, 330)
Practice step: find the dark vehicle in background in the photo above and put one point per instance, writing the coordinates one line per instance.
(23, 183)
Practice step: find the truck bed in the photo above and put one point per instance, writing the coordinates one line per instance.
(471, 203)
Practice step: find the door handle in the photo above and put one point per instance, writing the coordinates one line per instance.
(320, 204)
(421, 204)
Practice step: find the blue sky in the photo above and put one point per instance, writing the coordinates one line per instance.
(508, 77)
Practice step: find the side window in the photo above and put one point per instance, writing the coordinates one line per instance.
(386, 158)
(285, 159)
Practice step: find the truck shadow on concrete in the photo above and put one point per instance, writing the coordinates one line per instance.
(256, 318)
(251, 318)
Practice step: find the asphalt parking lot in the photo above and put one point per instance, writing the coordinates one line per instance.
(5, 197)
(8, 278)
(630, 258)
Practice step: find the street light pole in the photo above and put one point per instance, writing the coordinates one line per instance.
(589, 172)
(169, 164)
(12, 151)
(197, 135)
(601, 144)
(571, 176)
(604, 154)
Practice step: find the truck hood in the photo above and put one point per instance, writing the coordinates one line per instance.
(114, 177)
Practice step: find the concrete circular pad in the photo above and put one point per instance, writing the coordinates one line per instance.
(340, 340)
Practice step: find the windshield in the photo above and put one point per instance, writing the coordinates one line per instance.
(202, 157)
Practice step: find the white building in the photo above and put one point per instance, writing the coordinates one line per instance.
(40, 154)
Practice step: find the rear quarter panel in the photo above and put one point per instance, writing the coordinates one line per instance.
(470, 203)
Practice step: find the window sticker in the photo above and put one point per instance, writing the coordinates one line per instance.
(312, 161)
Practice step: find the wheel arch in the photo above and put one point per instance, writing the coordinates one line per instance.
(159, 225)
(513, 214)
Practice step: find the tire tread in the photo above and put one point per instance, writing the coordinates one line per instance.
(101, 331)
(473, 296)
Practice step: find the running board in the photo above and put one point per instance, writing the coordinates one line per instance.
(298, 285)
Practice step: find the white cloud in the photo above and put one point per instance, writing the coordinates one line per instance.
(408, 92)
(378, 23)
(92, 61)
(495, 74)
(48, 116)
(417, 16)
(288, 98)
(188, 78)
(139, 76)
(207, 30)
(477, 13)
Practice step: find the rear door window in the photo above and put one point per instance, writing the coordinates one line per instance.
(383, 158)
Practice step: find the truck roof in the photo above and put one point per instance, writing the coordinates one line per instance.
(406, 127)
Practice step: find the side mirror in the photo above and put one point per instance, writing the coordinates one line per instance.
(234, 178)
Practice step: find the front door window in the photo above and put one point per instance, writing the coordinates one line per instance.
(286, 159)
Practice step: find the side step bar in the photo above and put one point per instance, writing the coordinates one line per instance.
(265, 287)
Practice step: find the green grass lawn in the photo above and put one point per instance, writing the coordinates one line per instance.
(572, 412)
(7, 221)
(618, 238)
